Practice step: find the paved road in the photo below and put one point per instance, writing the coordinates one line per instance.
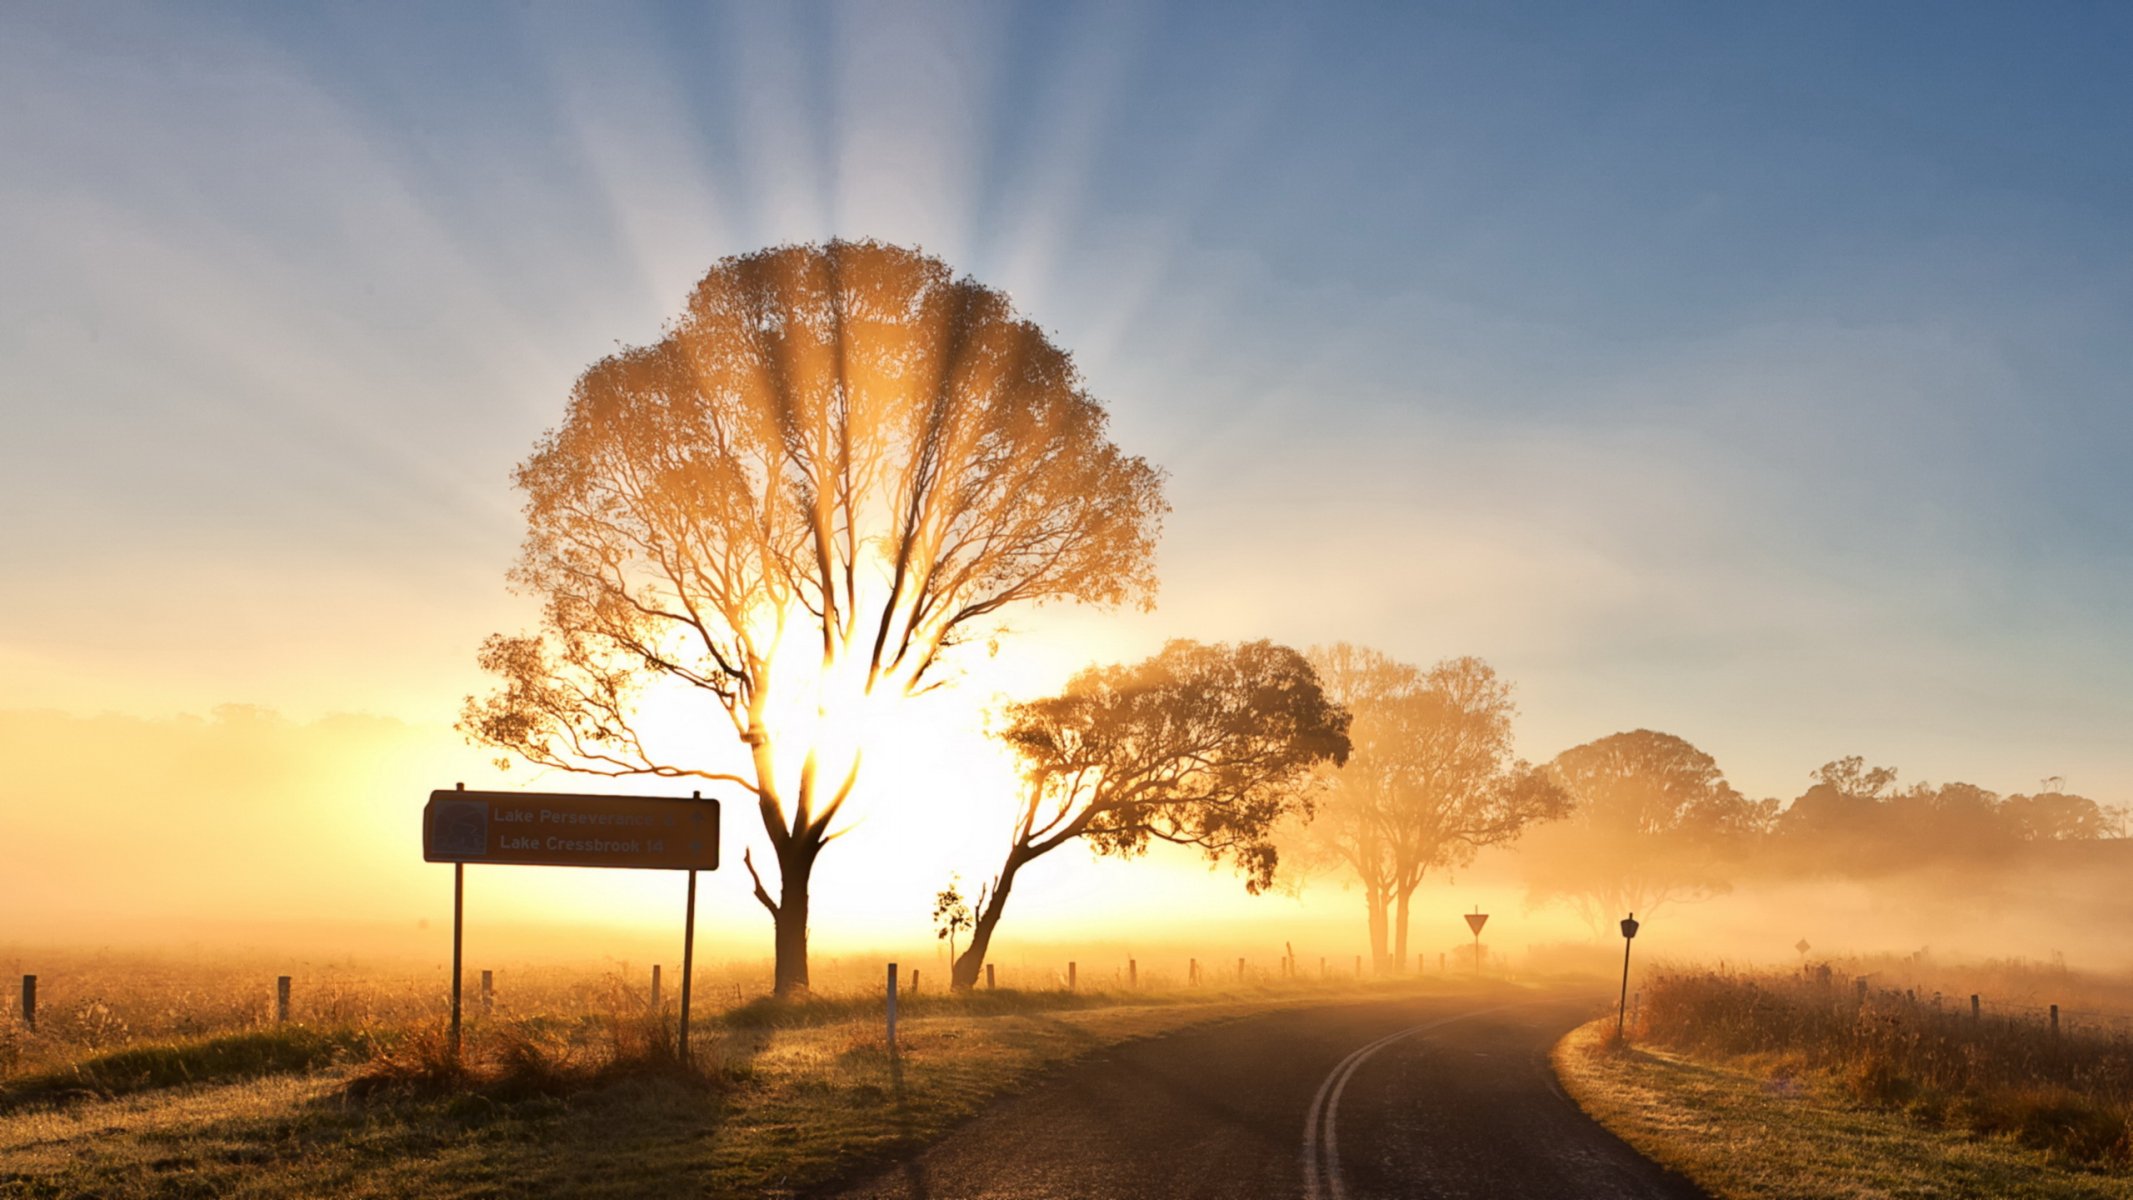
(1445, 1097)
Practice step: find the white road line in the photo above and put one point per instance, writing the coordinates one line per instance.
(1321, 1142)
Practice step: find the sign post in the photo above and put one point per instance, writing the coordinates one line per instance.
(556, 829)
(1474, 921)
(1629, 934)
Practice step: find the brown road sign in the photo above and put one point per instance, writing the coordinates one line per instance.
(1475, 920)
(563, 830)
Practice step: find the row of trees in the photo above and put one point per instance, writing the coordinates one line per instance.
(843, 461)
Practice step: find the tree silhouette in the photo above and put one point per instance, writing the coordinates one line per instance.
(1430, 781)
(838, 462)
(1201, 745)
(1653, 822)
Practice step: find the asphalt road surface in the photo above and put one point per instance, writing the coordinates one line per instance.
(1434, 1097)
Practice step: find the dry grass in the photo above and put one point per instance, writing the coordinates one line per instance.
(1751, 1131)
(779, 1098)
(2068, 1093)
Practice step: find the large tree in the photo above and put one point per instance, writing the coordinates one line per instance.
(1654, 821)
(839, 461)
(1201, 745)
(1432, 779)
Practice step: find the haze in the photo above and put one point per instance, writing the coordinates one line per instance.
(1753, 376)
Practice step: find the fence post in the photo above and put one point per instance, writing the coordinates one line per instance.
(488, 991)
(1071, 971)
(1192, 971)
(892, 1010)
(1322, 968)
(655, 989)
(2055, 1020)
(1859, 986)
(988, 977)
(914, 981)
(1240, 970)
(281, 1000)
(1973, 1006)
(1133, 973)
(29, 1002)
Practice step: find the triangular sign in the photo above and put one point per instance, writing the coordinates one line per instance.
(1475, 920)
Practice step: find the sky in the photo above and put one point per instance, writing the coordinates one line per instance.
(1756, 374)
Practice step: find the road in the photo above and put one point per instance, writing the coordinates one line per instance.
(1442, 1097)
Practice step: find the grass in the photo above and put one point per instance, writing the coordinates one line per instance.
(1780, 1086)
(2067, 1092)
(781, 1098)
(279, 1051)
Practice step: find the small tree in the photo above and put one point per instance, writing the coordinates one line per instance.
(1201, 745)
(950, 914)
(840, 461)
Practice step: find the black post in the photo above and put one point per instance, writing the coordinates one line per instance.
(1629, 934)
(459, 907)
(688, 964)
(281, 1000)
(29, 1002)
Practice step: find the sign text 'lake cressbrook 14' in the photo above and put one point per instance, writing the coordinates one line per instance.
(553, 829)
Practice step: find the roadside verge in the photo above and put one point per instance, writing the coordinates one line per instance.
(1744, 1134)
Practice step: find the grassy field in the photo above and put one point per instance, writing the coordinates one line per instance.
(1803, 1085)
(780, 1098)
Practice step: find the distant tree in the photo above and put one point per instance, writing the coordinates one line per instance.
(1201, 745)
(1654, 822)
(1430, 781)
(2062, 817)
(950, 915)
(1841, 821)
(840, 461)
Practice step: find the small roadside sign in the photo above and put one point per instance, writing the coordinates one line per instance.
(1475, 920)
(556, 829)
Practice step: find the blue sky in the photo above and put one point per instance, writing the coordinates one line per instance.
(1754, 373)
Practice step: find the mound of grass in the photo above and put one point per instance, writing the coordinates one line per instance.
(283, 1050)
(2067, 1093)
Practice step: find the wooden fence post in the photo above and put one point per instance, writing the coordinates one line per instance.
(892, 1010)
(1240, 970)
(29, 1002)
(655, 989)
(1192, 971)
(1973, 1006)
(988, 977)
(1071, 971)
(914, 981)
(488, 991)
(2055, 1020)
(1133, 973)
(281, 1000)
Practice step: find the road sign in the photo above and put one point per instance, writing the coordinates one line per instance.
(555, 829)
(1802, 946)
(1475, 920)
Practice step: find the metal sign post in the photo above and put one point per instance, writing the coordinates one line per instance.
(1474, 921)
(558, 829)
(688, 962)
(1629, 934)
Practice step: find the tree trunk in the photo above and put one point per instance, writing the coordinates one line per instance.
(1375, 899)
(795, 867)
(972, 963)
(1399, 952)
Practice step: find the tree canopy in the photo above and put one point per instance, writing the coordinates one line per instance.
(1201, 745)
(839, 461)
(1653, 822)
